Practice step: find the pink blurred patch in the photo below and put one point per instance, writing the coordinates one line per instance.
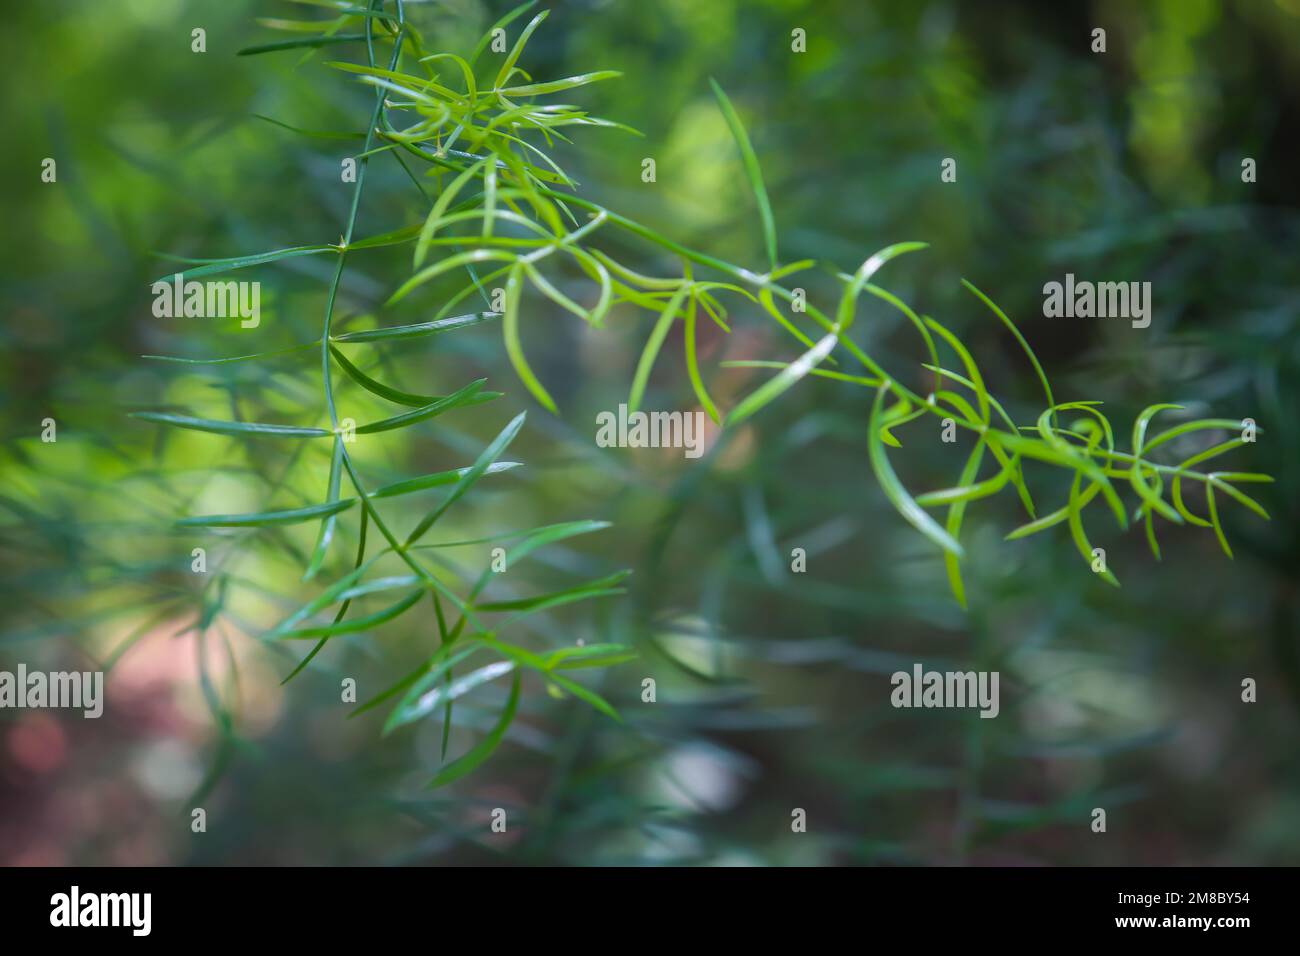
(38, 744)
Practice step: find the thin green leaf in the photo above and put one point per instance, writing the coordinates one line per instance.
(457, 399)
(752, 170)
(1138, 480)
(436, 479)
(1228, 424)
(819, 372)
(480, 752)
(424, 694)
(501, 24)
(419, 329)
(1239, 495)
(913, 513)
(358, 624)
(557, 86)
(230, 360)
(219, 427)
(330, 595)
(537, 538)
(1074, 513)
(379, 388)
(515, 348)
(652, 346)
(1214, 519)
(446, 265)
(774, 387)
(590, 696)
(312, 133)
(503, 75)
(1053, 519)
(953, 525)
(343, 608)
(409, 399)
(207, 267)
(1024, 344)
(693, 365)
(476, 471)
(601, 587)
(589, 655)
(798, 369)
(444, 200)
(1151, 534)
(263, 519)
(318, 41)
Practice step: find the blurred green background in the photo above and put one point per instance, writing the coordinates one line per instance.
(772, 687)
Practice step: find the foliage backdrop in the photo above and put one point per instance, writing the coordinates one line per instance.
(772, 687)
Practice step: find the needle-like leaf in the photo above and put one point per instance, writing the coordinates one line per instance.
(752, 170)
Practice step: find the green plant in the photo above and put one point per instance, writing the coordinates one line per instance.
(503, 203)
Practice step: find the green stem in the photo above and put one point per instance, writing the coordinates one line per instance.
(362, 493)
